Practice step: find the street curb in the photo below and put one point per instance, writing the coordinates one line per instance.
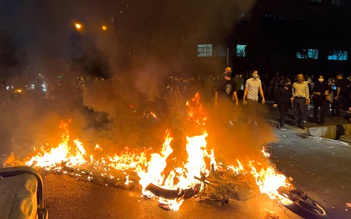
(332, 131)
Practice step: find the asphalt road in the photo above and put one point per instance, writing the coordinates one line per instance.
(69, 198)
(319, 166)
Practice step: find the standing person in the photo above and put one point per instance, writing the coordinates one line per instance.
(282, 100)
(239, 82)
(333, 88)
(310, 83)
(341, 95)
(301, 99)
(226, 87)
(253, 86)
(321, 92)
(225, 95)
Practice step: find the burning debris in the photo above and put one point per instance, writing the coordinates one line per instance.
(159, 176)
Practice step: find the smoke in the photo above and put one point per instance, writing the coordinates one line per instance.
(143, 43)
(233, 137)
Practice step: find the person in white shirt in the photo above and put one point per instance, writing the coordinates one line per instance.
(300, 99)
(253, 87)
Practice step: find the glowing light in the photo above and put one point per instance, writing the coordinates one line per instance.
(18, 91)
(78, 26)
(104, 28)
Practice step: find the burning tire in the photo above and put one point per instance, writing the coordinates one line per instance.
(169, 197)
(302, 203)
(173, 193)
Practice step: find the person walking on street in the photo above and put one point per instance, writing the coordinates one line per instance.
(301, 99)
(226, 96)
(253, 86)
(340, 98)
(226, 87)
(321, 93)
(282, 101)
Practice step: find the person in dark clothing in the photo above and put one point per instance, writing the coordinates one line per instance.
(282, 100)
(321, 92)
(225, 97)
(226, 87)
(240, 84)
(341, 95)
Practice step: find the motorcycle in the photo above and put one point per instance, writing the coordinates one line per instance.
(222, 185)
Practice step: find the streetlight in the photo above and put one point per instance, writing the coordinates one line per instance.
(78, 26)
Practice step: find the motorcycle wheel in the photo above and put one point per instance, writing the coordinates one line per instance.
(303, 204)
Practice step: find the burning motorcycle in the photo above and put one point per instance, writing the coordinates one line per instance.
(224, 184)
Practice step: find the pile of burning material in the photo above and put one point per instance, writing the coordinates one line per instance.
(92, 172)
(72, 158)
(200, 175)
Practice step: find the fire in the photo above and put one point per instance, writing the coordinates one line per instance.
(269, 182)
(195, 110)
(127, 160)
(153, 115)
(179, 178)
(238, 169)
(153, 169)
(61, 154)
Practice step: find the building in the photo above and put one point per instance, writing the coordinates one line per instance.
(291, 36)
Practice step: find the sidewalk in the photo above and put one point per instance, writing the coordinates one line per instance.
(334, 128)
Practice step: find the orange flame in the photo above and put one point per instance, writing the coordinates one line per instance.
(61, 154)
(269, 182)
(151, 168)
(195, 110)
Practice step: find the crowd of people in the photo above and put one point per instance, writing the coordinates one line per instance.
(308, 97)
(327, 96)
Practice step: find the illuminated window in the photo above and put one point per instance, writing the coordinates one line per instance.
(241, 50)
(307, 54)
(341, 2)
(204, 50)
(338, 55)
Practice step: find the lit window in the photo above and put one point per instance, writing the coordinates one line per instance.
(341, 2)
(241, 50)
(204, 50)
(307, 54)
(338, 55)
